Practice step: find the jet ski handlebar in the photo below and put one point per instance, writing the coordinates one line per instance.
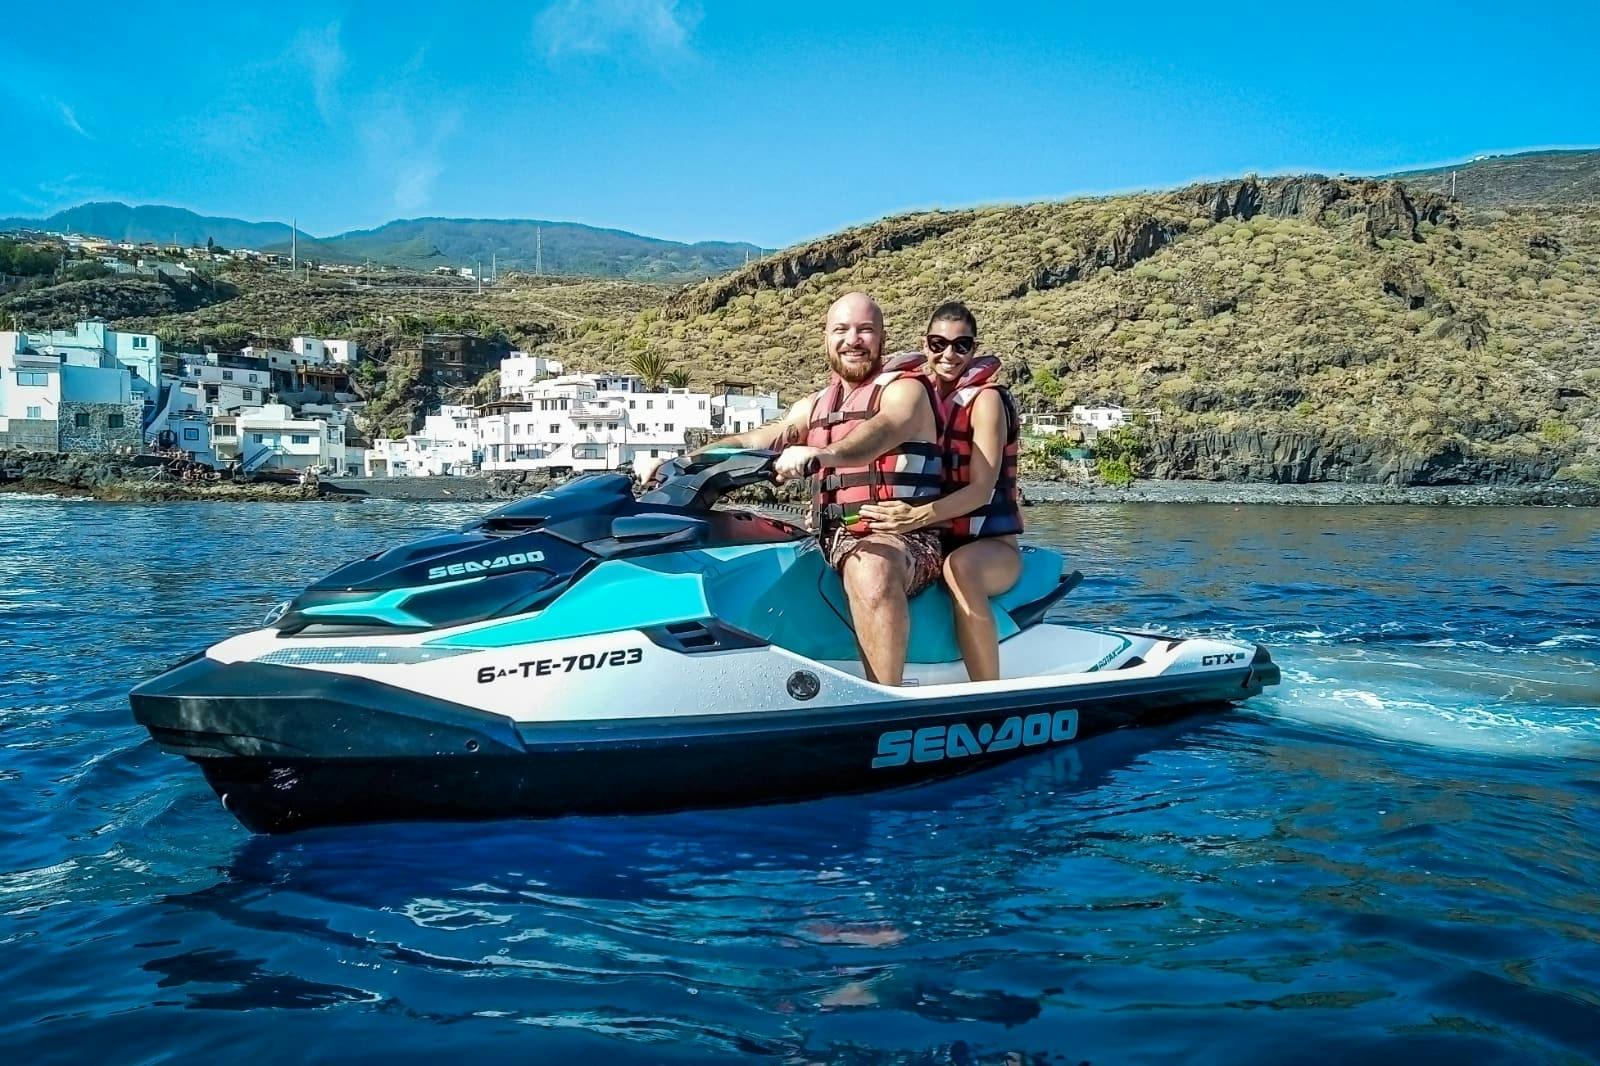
(697, 481)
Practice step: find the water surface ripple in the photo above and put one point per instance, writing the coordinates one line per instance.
(1396, 855)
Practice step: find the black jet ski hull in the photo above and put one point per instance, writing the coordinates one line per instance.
(342, 751)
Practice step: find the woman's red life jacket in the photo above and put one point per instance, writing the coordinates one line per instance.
(1002, 515)
(912, 471)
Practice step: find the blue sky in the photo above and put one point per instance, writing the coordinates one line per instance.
(750, 121)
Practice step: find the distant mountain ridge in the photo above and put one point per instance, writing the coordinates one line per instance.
(512, 244)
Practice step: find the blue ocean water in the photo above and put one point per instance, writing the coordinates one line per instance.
(1395, 855)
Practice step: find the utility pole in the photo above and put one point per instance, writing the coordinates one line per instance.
(294, 245)
(1452, 185)
(538, 250)
(494, 266)
(480, 277)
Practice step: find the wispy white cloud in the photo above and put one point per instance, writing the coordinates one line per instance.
(591, 27)
(320, 50)
(24, 197)
(408, 145)
(71, 119)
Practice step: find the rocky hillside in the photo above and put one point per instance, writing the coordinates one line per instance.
(121, 297)
(1523, 180)
(1289, 329)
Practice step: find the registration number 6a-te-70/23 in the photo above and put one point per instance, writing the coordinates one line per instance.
(935, 742)
(594, 660)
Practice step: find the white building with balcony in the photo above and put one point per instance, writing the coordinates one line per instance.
(272, 437)
(225, 389)
(571, 423)
(450, 443)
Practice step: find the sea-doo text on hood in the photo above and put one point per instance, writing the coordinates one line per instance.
(499, 562)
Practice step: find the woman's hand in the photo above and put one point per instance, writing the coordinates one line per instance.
(896, 516)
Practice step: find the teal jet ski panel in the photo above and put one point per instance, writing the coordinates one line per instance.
(805, 611)
(784, 594)
(616, 595)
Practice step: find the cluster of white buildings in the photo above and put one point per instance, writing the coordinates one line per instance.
(550, 421)
(95, 389)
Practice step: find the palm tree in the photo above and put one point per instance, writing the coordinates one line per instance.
(650, 367)
(676, 379)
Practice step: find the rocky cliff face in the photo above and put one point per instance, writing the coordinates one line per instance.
(1298, 458)
(1385, 208)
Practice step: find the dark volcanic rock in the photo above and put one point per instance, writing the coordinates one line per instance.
(1297, 458)
(1385, 208)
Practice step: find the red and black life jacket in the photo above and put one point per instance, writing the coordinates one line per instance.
(912, 471)
(1002, 515)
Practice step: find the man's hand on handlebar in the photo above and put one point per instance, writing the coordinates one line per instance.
(798, 461)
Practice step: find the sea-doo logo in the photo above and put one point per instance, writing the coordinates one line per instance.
(499, 562)
(1221, 660)
(935, 742)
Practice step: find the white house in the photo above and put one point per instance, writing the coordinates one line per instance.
(276, 358)
(30, 395)
(272, 437)
(1100, 418)
(308, 351)
(520, 370)
(311, 351)
(224, 389)
(737, 411)
(66, 397)
(1045, 423)
(139, 352)
(450, 443)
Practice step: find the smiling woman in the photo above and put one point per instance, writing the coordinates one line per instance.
(979, 515)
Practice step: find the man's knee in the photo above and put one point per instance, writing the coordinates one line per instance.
(873, 574)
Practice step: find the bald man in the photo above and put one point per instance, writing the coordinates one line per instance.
(876, 432)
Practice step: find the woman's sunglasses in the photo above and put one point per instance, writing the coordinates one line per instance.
(937, 344)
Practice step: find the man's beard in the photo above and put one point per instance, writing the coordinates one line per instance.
(852, 375)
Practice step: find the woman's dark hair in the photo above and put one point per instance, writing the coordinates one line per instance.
(953, 311)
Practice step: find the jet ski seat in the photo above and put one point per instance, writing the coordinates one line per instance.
(805, 610)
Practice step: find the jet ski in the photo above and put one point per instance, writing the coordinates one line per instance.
(585, 650)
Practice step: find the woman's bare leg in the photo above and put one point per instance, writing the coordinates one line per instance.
(975, 572)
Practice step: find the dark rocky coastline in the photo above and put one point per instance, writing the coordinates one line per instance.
(114, 478)
(109, 477)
